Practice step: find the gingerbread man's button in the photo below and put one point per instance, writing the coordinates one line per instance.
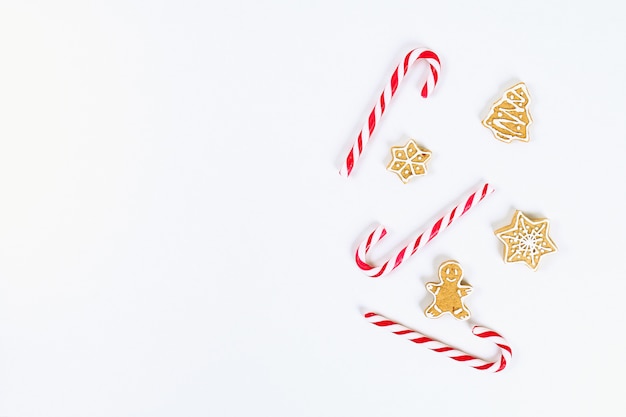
(449, 292)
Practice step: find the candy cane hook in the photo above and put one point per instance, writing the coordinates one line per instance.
(400, 256)
(457, 355)
(385, 98)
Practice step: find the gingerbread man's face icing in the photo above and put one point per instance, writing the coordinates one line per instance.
(450, 271)
(449, 292)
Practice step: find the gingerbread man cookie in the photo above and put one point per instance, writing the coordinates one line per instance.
(449, 292)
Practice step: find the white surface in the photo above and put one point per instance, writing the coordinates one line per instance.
(175, 238)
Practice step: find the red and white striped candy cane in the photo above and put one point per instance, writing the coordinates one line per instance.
(400, 256)
(385, 98)
(457, 355)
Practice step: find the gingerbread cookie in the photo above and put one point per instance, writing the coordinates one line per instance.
(409, 160)
(449, 292)
(508, 118)
(526, 240)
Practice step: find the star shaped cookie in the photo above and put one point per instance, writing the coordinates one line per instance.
(409, 160)
(526, 240)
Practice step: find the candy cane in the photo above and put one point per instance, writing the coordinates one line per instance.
(457, 355)
(433, 230)
(385, 99)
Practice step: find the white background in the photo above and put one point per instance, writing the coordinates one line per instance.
(175, 238)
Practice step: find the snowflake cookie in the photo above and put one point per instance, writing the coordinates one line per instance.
(526, 240)
(508, 118)
(408, 160)
(449, 292)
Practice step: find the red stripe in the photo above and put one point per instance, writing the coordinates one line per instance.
(443, 349)
(451, 216)
(423, 339)
(502, 364)
(424, 92)
(369, 241)
(484, 191)
(372, 121)
(463, 358)
(406, 62)
(394, 82)
(382, 269)
(468, 203)
(401, 332)
(370, 314)
(417, 243)
(359, 142)
(488, 333)
(382, 103)
(483, 367)
(350, 162)
(399, 258)
(429, 54)
(505, 347)
(435, 229)
(384, 323)
(361, 264)
(435, 74)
